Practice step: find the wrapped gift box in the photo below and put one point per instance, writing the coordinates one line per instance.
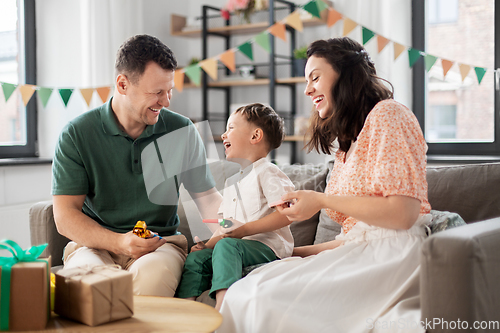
(94, 296)
(29, 307)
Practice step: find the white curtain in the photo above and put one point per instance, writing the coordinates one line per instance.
(77, 42)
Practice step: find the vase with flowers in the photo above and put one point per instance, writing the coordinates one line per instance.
(243, 8)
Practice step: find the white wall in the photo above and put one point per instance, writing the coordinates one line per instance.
(76, 46)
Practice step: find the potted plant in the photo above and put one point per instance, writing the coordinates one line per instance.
(299, 60)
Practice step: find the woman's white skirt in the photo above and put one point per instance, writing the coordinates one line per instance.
(369, 284)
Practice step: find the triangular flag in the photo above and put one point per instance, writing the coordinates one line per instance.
(413, 56)
(8, 89)
(294, 21)
(480, 71)
(381, 43)
(87, 94)
(278, 30)
(44, 94)
(312, 8)
(398, 49)
(210, 67)
(349, 26)
(464, 70)
(179, 80)
(446, 64)
(333, 17)
(262, 40)
(27, 91)
(367, 35)
(103, 93)
(65, 95)
(194, 73)
(227, 58)
(321, 5)
(429, 60)
(246, 49)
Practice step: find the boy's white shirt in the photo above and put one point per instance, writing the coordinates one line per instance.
(246, 198)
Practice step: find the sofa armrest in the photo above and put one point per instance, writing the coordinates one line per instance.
(460, 274)
(43, 230)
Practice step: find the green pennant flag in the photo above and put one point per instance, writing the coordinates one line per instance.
(8, 89)
(44, 94)
(65, 95)
(262, 40)
(367, 35)
(429, 60)
(480, 71)
(312, 8)
(194, 73)
(246, 49)
(321, 5)
(413, 56)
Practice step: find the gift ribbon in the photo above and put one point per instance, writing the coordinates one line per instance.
(19, 255)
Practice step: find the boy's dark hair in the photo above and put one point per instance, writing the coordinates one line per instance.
(137, 51)
(266, 119)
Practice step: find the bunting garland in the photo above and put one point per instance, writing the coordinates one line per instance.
(227, 58)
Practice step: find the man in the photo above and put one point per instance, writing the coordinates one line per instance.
(98, 188)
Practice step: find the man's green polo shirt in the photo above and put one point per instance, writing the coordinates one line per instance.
(94, 157)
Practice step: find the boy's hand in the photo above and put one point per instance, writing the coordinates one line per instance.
(234, 224)
(199, 245)
(239, 232)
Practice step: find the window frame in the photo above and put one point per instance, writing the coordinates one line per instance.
(419, 90)
(30, 149)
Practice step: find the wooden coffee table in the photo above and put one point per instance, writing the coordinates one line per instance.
(158, 314)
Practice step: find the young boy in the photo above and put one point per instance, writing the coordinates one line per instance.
(262, 234)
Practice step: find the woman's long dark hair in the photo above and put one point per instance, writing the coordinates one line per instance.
(356, 92)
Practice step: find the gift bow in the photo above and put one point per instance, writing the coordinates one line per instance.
(19, 255)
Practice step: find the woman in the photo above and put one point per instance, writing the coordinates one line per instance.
(367, 279)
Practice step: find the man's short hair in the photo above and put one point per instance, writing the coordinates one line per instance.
(266, 119)
(137, 51)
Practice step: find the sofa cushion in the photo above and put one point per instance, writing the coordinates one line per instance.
(306, 177)
(468, 190)
(444, 220)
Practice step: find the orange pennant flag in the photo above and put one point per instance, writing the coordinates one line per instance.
(381, 43)
(464, 70)
(103, 93)
(333, 17)
(27, 91)
(179, 80)
(210, 67)
(398, 49)
(294, 21)
(446, 64)
(227, 58)
(349, 26)
(278, 30)
(87, 95)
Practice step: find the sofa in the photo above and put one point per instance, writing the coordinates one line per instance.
(460, 266)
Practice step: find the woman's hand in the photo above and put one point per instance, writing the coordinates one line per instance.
(304, 204)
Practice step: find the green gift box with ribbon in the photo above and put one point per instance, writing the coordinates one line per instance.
(24, 288)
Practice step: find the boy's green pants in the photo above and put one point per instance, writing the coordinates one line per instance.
(221, 267)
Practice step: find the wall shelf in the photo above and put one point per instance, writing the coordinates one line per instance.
(178, 27)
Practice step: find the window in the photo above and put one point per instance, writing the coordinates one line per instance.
(443, 11)
(457, 114)
(17, 67)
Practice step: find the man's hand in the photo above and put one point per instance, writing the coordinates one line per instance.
(135, 247)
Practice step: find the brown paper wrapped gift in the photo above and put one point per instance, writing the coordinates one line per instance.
(94, 296)
(29, 296)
